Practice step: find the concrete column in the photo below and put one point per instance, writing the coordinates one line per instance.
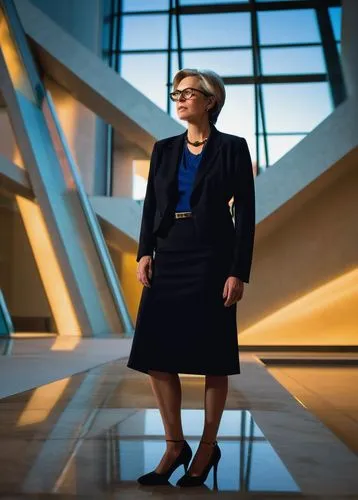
(79, 125)
(83, 19)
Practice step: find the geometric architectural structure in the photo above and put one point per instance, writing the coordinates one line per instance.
(276, 58)
(82, 287)
(305, 267)
(311, 178)
(77, 273)
(75, 420)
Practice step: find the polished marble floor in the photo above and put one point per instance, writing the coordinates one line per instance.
(330, 393)
(74, 429)
(90, 435)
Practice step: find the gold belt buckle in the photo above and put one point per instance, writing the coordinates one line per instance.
(182, 215)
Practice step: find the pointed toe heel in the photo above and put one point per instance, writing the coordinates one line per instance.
(154, 478)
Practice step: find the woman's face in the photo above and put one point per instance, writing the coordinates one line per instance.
(192, 109)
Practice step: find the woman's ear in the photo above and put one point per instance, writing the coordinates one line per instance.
(211, 103)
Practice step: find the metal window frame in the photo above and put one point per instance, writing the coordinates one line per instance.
(334, 75)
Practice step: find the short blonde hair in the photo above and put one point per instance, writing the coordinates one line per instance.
(210, 82)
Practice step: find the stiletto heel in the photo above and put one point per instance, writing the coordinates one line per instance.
(188, 480)
(215, 486)
(156, 478)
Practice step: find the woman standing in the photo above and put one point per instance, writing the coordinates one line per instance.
(193, 262)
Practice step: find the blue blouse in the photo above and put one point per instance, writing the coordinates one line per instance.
(186, 175)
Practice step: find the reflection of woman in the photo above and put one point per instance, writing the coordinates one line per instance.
(187, 315)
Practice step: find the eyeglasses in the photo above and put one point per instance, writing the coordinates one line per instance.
(186, 93)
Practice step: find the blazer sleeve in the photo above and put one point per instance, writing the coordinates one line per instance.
(146, 236)
(244, 207)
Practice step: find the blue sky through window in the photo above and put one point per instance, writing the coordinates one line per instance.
(291, 109)
(336, 19)
(288, 26)
(208, 30)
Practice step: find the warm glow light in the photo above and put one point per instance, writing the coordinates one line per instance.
(13, 61)
(17, 158)
(141, 167)
(299, 401)
(49, 269)
(67, 115)
(65, 344)
(42, 401)
(77, 124)
(324, 316)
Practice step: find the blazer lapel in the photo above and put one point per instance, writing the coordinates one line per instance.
(172, 156)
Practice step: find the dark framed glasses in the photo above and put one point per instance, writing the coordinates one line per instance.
(186, 93)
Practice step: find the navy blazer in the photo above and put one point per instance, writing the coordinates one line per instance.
(225, 171)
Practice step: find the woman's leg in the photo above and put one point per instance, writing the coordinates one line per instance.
(167, 390)
(216, 388)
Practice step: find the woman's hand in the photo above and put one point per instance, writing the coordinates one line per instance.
(144, 270)
(233, 290)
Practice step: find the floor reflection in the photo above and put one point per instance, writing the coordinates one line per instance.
(248, 462)
(90, 435)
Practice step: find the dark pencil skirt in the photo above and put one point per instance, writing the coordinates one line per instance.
(182, 325)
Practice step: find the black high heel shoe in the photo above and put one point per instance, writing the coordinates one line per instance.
(188, 480)
(156, 478)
